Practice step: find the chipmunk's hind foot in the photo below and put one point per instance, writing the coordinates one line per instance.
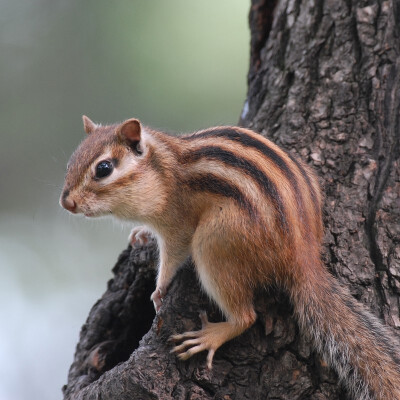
(210, 337)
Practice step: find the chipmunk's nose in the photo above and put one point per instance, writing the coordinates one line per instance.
(68, 203)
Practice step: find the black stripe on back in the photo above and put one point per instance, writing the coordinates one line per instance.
(309, 184)
(212, 184)
(155, 161)
(250, 169)
(247, 140)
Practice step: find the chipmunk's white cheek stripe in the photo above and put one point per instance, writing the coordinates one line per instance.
(123, 167)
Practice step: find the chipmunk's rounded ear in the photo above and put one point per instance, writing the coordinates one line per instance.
(88, 125)
(130, 131)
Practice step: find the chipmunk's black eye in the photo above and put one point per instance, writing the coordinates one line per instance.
(103, 169)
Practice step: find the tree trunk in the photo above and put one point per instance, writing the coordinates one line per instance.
(324, 83)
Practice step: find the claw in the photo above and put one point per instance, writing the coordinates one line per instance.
(186, 335)
(210, 357)
(193, 350)
(139, 236)
(157, 298)
(186, 343)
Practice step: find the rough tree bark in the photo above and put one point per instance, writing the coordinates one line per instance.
(324, 82)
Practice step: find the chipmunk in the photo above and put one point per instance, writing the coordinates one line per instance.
(249, 214)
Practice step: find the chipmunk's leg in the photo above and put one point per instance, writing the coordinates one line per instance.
(172, 256)
(224, 273)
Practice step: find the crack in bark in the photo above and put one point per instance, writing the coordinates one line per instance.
(388, 129)
(261, 17)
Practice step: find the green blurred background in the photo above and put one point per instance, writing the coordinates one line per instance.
(176, 65)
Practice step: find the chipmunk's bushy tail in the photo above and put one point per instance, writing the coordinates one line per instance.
(364, 353)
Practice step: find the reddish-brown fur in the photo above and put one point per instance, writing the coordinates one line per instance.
(250, 216)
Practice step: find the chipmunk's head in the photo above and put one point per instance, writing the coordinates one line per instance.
(103, 171)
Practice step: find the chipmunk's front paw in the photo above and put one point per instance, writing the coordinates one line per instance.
(157, 297)
(139, 236)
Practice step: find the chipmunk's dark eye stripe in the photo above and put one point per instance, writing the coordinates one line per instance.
(103, 169)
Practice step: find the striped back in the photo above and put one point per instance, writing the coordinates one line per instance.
(268, 183)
